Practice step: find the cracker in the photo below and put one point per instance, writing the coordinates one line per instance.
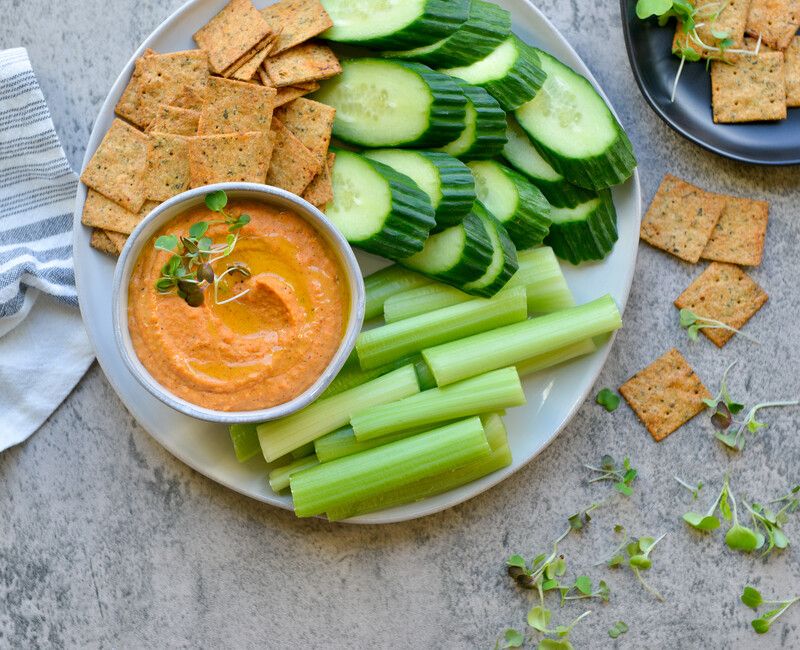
(311, 123)
(117, 240)
(101, 212)
(320, 190)
(118, 166)
(725, 293)
(749, 89)
(791, 69)
(299, 21)
(177, 79)
(102, 242)
(174, 120)
(167, 166)
(681, 218)
(293, 166)
(665, 395)
(775, 20)
(739, 235)
(229, 157)
(732, 20)
(307, 62)
(232, 34)
(236, 107)
(249, 68)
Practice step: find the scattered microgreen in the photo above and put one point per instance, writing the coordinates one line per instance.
(753, 599)
(189, 270)
(511, 639)
(578, 520)
(635, 554)
(539, 619)
(608, 399)
(618, 629)
(693, 323)
(542, 572)
(584, 588)
(694, 489)
(622, 477)
(769, 523)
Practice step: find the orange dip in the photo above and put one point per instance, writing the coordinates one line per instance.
(261, 349)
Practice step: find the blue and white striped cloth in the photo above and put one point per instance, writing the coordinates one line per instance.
(37, 192)
(43, 346)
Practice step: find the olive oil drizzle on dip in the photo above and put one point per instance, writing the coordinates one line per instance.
(269, 332)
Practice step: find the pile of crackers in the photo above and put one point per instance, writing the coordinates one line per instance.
(693, 224)
(232, 110)
(748, 88)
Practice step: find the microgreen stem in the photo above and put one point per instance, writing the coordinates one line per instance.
(677, 79)
(646, 585)
(691, 488)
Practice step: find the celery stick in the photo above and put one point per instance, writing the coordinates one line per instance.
(381, 345)
(539, 272)
(387, 282)
(302, 452)
(499, 458)
(352, 376)
(550, 359)
(385, 468)
(489, 392)
(245, 441)
(515, 343)
(280, 437)
(279, 476)
(342, 442)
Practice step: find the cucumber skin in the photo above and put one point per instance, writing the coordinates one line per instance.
(407, 227)
(510, 261)
(522, 81)
(440, 20)
(530, 224)
(612, 167)
(487, 27)
(474, 261)
(490, 130)
(457, 177)
(564, 194)
(592, 239)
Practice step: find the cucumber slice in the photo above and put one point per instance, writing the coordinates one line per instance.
(377, 208)
(514, 202)
(586, 232)
(447, 182)
(485, 133)
(504, 257)
(511, 73)
(456, 256)
(388, 103)
(487, 27)
(574, 130)
(394, 23)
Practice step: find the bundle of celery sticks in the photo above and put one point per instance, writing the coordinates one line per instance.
(417, 409)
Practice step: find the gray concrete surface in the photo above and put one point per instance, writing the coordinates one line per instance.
(107, 541)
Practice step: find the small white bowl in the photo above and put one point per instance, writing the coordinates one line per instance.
(271, 196)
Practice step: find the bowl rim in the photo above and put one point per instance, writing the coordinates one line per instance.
(171, 208)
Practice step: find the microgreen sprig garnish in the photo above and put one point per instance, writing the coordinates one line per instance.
(753, 599)
(608, 399)
(693, 323)
(769, 523)
(189, 270)
(622, 477)
(579, 519)
(635, 554)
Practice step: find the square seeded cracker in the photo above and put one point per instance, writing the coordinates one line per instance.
(176, 79)
(117, 168)
(749, 89)
(103, 213)
(738, 237)
(236, 107)
(791, 68)
(229, 157)
(775, 20)
(306, 62)
(311, 123)
(298, 20)
(174, 120)
(102, 242)
(725, 293)
(233, 34)
(293, 165)
(665, 395)
(249, 68)
(320, 190)
(732, 20)
(681, 218)
(167, 166)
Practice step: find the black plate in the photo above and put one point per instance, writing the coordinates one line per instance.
(654, 67)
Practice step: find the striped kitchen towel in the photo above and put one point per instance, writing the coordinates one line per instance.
(43, 346)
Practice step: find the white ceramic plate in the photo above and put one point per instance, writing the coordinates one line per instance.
(553, 395)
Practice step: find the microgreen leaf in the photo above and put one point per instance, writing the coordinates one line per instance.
(584, 584)
(216, 201)
(701, 522)
(197, 230)
(167, 243)
(647, 8)
(554, 644)
(622, 477)
(618, 629)
(608, 399)
(751, 597)
(539, 619)
(512, 639)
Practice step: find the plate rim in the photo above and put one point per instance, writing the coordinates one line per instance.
(685, 133)
(433, 508)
